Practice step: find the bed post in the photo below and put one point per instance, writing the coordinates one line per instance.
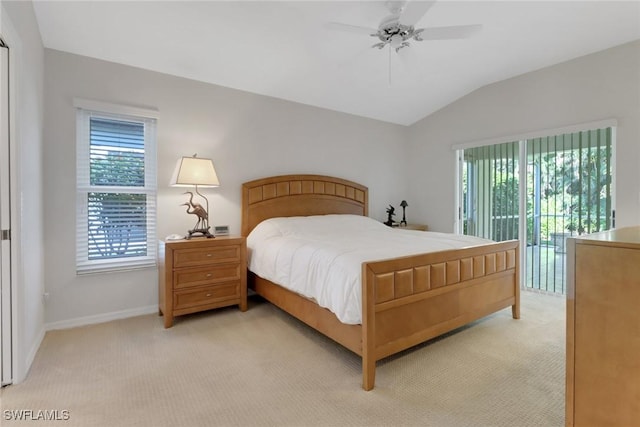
(368, 329)
(515, 308)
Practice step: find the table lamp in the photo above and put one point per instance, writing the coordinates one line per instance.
(196, 172)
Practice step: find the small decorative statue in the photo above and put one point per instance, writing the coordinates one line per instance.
(194, 208)
(404, 204)
(391, 212)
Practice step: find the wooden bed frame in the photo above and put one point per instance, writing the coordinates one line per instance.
(405, 301)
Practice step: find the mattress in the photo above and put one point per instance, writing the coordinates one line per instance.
(320, 257)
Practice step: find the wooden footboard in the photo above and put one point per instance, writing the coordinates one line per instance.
(409, 300)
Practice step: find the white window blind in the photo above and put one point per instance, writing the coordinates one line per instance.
(116, 191)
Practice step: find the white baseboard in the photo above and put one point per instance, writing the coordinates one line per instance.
(34, 348)
(22, 370)
(101, 318)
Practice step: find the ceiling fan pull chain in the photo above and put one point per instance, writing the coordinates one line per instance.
(389, 65)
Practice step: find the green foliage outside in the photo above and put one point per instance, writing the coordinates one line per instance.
(574, 188)
(573, 191)
(571, 196)
(505, 207)
(117, 221)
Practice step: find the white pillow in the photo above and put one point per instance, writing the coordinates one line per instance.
(316, 225)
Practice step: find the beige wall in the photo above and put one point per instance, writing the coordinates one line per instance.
(20, 31)
(604, 85)
(248, 136)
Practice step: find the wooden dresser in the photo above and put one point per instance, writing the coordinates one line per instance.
(603, 329)
(201, 274)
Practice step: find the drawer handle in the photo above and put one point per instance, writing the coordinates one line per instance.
(209, 274)
(209, 254)
(208, 295)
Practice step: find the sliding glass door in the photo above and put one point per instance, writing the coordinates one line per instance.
(540, 191)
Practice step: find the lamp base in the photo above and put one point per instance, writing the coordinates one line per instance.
(199, 232)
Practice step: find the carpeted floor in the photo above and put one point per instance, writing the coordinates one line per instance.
(264, 368)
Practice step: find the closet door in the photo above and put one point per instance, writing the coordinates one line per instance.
(5, 236)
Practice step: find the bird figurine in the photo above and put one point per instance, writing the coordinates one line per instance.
(202, 225)
(199, 212)
(391, 212)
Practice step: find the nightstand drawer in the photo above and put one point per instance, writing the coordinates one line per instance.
(205, 275)
(203, 256)
(206, 295)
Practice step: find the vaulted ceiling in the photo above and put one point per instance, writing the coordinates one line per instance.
(290, 49)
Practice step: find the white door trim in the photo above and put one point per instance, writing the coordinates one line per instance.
(6, 344)
(11, 38)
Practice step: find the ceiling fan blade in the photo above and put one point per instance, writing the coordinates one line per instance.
(356, 29)
(448, 33)
(413, 11)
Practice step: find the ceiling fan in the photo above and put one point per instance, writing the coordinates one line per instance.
(398, 29)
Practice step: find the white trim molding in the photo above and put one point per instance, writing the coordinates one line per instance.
(101, 318)
(106, 107)
(600, 124)
(31, 355)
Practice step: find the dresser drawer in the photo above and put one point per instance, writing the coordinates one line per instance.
(189, 277)
(206, 295)
(204, 256)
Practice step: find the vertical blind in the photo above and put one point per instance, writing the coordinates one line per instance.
(567, 191)
(573, 181)
(491, 191)
(116, 192)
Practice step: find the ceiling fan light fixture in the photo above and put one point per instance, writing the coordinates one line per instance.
(396, 41)
(396, 35)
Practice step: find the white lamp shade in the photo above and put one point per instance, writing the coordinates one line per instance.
(191, 171)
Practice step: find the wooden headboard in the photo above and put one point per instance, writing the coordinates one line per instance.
(300, 195)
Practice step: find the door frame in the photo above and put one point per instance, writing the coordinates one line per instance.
(9, 36)
(6, 370)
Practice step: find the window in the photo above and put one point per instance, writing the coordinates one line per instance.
(116, 188)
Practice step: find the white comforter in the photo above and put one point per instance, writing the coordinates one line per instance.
(321, 257)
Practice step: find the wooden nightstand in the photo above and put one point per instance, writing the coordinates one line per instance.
(420, 227)
(201, 274)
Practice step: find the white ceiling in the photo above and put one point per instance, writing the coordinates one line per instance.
(284, 49)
